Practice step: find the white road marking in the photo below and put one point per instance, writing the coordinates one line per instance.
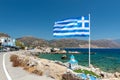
(4, 67)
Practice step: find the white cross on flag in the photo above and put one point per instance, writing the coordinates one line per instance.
(72, 27)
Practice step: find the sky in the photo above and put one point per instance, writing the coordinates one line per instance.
(36, 18)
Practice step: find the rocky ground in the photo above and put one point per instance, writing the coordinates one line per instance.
(38, 66)
(57, 71)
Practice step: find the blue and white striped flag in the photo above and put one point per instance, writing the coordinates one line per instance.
(73, 27)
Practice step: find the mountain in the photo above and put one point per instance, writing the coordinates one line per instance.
(105, 43)
(84, 43)
(117, 40)
(32, 41)
(69, 43)
(4, 35)
(66, 43)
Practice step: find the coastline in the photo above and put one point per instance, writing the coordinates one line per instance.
(108, 76)
(28, 72)
(106, 59)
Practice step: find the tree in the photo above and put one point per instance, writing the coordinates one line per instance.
(20, 44)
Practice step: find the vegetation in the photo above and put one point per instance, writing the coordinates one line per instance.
(20, 44)
(86, 72)
(16, 62)
(14, 59)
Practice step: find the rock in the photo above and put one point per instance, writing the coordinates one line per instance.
(117, 75)
(102, 75)
(53, 69)
(64, 57)
(41, 66)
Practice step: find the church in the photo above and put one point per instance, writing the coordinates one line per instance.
(73, 63)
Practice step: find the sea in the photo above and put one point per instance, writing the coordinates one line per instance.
(106, 59)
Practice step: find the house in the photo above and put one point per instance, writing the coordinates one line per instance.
(6, 41)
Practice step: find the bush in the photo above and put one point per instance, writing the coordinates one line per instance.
(86, 72)
(20, 44)
(17, 62)
(14, 59)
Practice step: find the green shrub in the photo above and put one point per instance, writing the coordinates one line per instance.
(20, 44)
(86, 72)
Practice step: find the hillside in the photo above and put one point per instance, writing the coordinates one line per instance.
(4, 35)
(117, 40)
(84, 43)
(106, 43)
(32, 41)
(62, 43)
(69, 43)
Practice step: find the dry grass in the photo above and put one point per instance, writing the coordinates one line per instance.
(38, 72)
(33, 70)
(14, 59)
(23, 63)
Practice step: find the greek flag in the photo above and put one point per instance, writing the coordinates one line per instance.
(72, 27)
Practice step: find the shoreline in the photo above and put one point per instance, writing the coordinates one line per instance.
(102, 61)
(105, 73)
(32, 60)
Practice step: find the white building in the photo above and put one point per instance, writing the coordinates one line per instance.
(6, 41)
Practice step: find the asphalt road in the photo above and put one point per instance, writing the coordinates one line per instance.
(17, 73)
(2, 73)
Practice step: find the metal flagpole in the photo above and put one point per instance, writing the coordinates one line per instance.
(89, 42)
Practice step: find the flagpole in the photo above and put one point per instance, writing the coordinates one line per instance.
(89, 43)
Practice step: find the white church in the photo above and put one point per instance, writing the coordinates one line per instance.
(73, 64)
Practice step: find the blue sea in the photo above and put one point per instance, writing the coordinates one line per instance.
(105, 59)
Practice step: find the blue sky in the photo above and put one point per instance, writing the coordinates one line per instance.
(36, 17)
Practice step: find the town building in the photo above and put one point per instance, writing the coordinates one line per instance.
(6, 41)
